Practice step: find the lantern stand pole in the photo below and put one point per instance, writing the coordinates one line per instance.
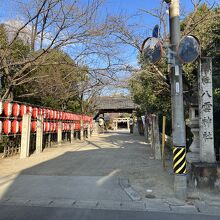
(25, 136)
(81, 130)
(49, 139)
(72, 134)
(59, 133)
(39, 134)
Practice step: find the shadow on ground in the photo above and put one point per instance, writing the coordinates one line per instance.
(91, 172)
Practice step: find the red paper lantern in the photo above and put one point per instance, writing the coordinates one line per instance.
(23, 110)
(63, 115)
(54, 114)
(77, 118)
(29, 109)
(35, 112)
(51, 114)
(7, 126)
(51, 126)
(1, 107)
(15, 127)
(40, 111)
(33, 126)
(16, 109)
(8, 109)
(47, 126)
(77, 126)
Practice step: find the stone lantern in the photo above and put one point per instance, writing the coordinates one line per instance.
(193, 123)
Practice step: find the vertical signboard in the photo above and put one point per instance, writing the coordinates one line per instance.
(207, 153)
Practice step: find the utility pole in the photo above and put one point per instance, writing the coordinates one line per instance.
(178, 123)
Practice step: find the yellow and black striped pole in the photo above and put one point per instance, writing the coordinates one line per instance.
(179, 160)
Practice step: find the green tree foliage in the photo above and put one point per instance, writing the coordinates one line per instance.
(55, 83)
(205, 25)
(150, 91)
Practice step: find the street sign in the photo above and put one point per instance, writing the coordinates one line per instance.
(152, 50)
(188, 49)
(155, 32)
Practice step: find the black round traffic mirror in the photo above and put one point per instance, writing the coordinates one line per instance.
(152, 50)
(188, 49)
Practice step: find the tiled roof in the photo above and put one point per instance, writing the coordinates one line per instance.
(115, 102)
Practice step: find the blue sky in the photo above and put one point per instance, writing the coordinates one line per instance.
(10, 9)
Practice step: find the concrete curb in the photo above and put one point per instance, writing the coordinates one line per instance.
(150, 205)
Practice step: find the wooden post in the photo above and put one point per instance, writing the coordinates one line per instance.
(156, 138)
(128, 126)
(49, 139)
(81, 130)
(39, 134)
(163, 141)
(59, 133)
(72, 133)
(88, 131)
(25, 136)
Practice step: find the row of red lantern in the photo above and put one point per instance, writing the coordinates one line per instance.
(16, 110)
(10, 127)
(87, 118)
(15, 126)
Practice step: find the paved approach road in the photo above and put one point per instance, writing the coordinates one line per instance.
(105, 177)
(48, 213)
